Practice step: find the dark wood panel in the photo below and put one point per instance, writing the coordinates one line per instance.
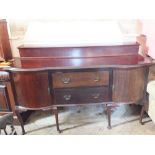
(78, 52)
(81, 95)
(32, 89)
(151, 73)
(65, 80)
(4, 100)
(128, 84)
(10, 94)
(108, 61)
(5, 48)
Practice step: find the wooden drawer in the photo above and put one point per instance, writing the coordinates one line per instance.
(81, 95)
(78, 79)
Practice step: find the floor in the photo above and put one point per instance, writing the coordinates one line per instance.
(89, 120)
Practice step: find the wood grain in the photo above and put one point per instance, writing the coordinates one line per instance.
(128, 85)
(32, 89)
(81, 95)
(80, 79)
(5, 48)
(79, 52)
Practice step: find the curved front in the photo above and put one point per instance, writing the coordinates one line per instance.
(32, 89)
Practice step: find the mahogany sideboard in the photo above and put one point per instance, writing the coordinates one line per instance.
(51, 77)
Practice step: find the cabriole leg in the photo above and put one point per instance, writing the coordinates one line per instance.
(55, 111)
(141, 115)
(109, 116)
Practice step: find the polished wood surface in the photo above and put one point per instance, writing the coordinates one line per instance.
(128, 85)
(74, 96)
(79, 57)
(97, 62)
(32, 89)
(80, 79)
(5, 48)
(78, 52)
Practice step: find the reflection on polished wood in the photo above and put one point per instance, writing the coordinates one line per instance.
(108, 61)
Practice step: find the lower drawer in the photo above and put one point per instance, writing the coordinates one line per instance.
(81, 95)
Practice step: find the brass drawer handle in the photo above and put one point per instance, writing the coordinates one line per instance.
(95, 96)
(66, 80)
(67, 97)
(97, 78)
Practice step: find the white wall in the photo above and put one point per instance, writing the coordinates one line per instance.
(21, 12)
(148, 28)
(18, 29)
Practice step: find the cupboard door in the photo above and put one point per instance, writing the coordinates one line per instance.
(32, 89)
(128, 85)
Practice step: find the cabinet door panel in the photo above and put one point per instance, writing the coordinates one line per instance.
(128, 85)
(32, 89)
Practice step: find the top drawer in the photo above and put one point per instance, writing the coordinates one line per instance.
(78, 79)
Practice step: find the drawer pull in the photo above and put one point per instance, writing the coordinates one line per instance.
(67, 97)
(97, 79)
(66, 80)
(95, 96)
